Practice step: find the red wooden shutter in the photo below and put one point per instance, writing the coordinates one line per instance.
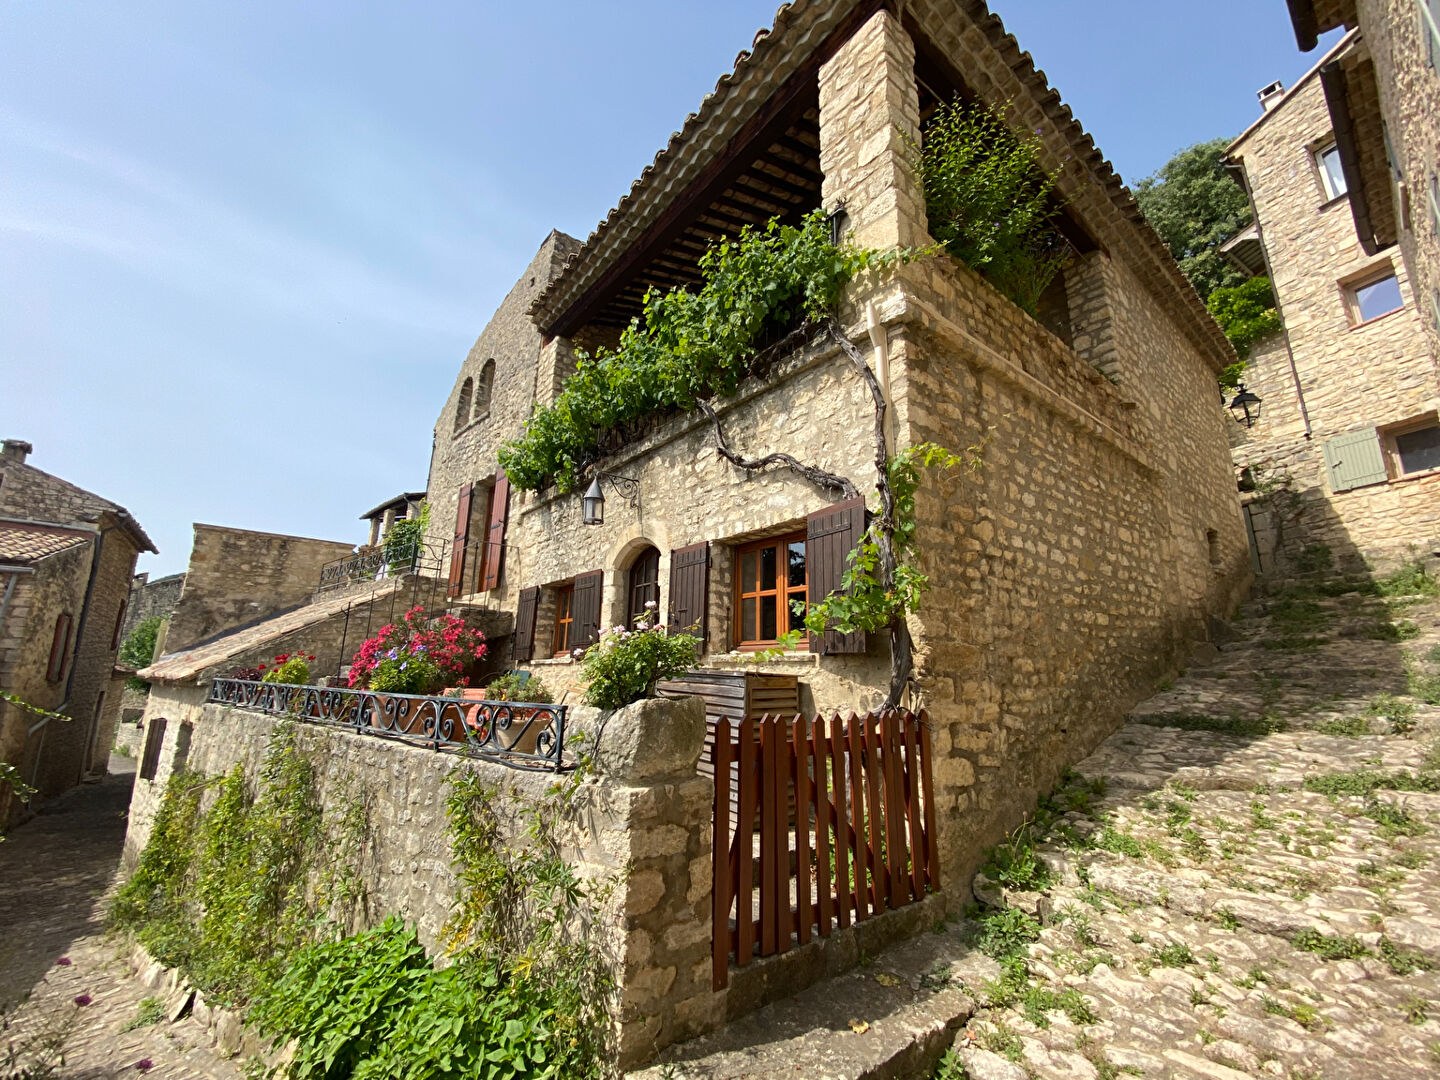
(462, 537)
(59, 647)
(586, 609)
(495, 531)
(522, 642)
(689, 589)
(830, 535)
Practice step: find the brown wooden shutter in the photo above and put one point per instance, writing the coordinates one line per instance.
(522, 642)
(830, 535)
(154, 740)
(462, 537)
(689, 589)
(586, 609)
(119, 624)
(495, 531)
(59, 647)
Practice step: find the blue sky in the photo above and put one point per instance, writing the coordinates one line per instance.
(244, 246)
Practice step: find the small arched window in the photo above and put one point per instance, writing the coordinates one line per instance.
(483, 388)
(462, 407)
(644, 584)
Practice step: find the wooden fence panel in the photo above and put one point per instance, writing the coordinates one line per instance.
(845, 817)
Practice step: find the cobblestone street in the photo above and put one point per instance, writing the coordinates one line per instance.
(68, 994)
(1243, 881)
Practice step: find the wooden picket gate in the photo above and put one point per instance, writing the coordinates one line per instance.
(843, 811)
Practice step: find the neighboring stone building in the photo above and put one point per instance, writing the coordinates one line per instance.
(149, 599)
(66, 560)
(402, 507)
(1075, 570)
(1344, 461)
(1384, 102)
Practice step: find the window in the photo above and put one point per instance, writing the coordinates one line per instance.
(462, 407)
(1430, 30)
(59, 647)
(564, 619)
(643, 584)
(1332, 177)
(483, 389)
(769, 576)
(1373, 296)
(1413, 447)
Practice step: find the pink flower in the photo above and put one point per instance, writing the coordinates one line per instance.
(144, 1065)
(83, 999)
(64, 961)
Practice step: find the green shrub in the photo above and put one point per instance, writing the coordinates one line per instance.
(138, 650)
(1247, 314)
(990, 202)
(1004, 933)
(1412, 579)
(403, 541)
(624, 665)
(516, 686)
(1015, 865)
(289, 668)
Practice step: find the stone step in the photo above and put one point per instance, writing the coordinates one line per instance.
(892, 1019)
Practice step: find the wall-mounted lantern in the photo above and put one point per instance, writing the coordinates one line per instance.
(1245, 407)
(592, 504)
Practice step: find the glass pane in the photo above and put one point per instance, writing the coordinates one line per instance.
(768, 569)
(747, 619)
(796, 559)
(797, 621)
(1333, 174)
(767, 618)
(748, 571)
(1378, 298)
(1419, 450)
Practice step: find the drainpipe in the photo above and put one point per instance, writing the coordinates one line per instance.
(1274, 290)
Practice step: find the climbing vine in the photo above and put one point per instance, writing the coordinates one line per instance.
(690, 347)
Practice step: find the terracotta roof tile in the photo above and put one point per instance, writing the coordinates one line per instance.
(24, 544)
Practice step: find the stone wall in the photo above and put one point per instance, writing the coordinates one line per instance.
(639, 825)
(150, 598)
(237, 577)
(1344, 376)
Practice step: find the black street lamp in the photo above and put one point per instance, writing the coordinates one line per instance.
(592, 504)
(1245, 407)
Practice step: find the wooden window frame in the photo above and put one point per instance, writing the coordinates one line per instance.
(1391, 449)
(119, 625)
(60, 647)
(564, 628)
(637, 592)
(1317, 154)
(781, 589)
(1372, 275)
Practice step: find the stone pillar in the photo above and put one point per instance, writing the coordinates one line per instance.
(389, 522)
(870, 136)
(557, 363)
(374, 531)
(1088, 289)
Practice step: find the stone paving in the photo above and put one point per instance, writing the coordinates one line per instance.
(1243, 880)
(67, 993)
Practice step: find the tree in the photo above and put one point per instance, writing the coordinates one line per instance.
(1247, 313)
(138, 650)
(1196, 207)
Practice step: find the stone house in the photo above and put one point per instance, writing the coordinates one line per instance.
(66, 560)
(1077, 567)
(1345, 458)
(402, 507)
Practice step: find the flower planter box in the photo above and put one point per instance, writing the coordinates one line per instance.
(521, 737)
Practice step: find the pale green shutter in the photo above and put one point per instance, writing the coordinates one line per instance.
(1355, 460)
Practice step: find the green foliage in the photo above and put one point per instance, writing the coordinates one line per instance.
(1412, 579)
(1015, 987)
(403, 541)
(1338, 947)
(151, 1010)
(990, 202)
(1349, 727)
(624, 665)
(950, 1068)
(231, 894)
(9, 774)
(1367, 781)
(1196, 207)
(1004, 933)
(1174, 955)
(1015, 865)
(138, 650)
(290, 668)
(516, 686)
(1247, 313)
(1403, 960)
(689, 346)
(864, 600)
(1225, 725)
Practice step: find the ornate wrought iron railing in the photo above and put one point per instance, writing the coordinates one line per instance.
(515, 733)
(380, 562)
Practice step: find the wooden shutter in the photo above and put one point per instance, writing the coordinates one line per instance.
(462, 537)
(522, 642)
(689, 589)
(586, 609)
(1355, 460)
(154, 740)
(495, 530)
(830, 535)
(119, 624)
(59, 647)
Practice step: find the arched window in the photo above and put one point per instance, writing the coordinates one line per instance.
(462, 407)
(483, 388)
(644, 584)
